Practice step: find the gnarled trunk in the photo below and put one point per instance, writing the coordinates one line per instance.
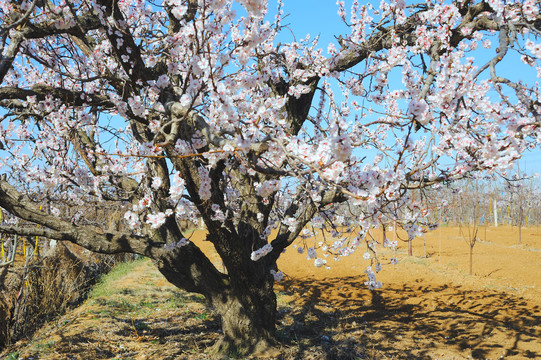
(244, 299)
(248, 317)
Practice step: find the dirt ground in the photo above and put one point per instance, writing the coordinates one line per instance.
(429, 307)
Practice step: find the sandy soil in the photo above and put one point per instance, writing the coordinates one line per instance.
(429, 308)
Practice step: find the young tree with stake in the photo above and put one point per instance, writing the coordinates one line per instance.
(192, 109)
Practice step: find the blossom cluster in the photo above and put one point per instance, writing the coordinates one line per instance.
(158, 219)
(177, 187)
(290, 222)
(372, 283)
(218, 213)
(204, 189)
(259, 253)
(133, 219)
(390, 244)
(222, 94)
(278, 275)
(268, 187)
(311, 253)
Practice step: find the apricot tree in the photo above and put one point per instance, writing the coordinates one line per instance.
(193, 109)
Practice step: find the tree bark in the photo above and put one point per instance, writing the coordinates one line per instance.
(248, 319)
(244, 298)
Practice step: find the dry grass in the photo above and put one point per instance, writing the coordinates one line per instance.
(43, 289)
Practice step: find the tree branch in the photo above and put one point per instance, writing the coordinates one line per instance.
(33, 230)
(285, 237)
(40, 91)
(126, 51)
(88, 237)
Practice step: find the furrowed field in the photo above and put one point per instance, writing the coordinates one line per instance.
(429, 307)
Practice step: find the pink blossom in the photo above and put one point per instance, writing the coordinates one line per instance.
(177, 187)
(534, 48)
(179, 11)
(530, 8)
(255, 7)
(311, 253)
(466, 31)
(156, 182)
(182, 147)
(154, 126)
(205, 187)
(145, 202)
(137, 106)
(298, 90)
(419, 110)
(268, 187)
(156, 220)
(163, 81)
(132, 219)
(319, 262)
(218, 213)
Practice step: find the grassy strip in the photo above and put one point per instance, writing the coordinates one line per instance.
(103, 287)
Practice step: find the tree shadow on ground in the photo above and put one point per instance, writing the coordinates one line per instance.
(329, 319)
(410, 322)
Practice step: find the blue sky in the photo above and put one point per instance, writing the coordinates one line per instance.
(316, 17)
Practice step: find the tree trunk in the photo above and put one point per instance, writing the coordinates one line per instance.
(248, 317)
(244, 299)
